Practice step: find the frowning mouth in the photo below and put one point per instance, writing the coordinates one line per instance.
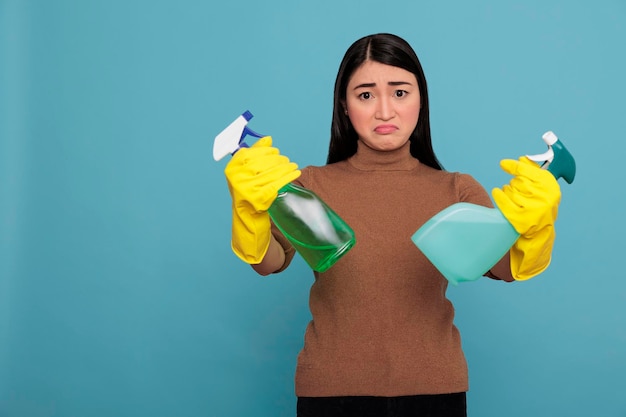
(385, 129)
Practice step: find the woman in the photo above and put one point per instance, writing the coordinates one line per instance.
(381, 341)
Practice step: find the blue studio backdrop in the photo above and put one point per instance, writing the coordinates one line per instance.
(119, 295)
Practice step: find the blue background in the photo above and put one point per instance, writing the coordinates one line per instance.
(119, 295)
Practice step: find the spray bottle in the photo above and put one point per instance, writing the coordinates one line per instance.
(319, 235)
(465, 240)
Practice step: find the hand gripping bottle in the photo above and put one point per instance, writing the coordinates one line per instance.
(319, 235)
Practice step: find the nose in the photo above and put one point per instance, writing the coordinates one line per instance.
(385, 109)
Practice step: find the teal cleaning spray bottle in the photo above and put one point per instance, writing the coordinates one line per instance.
(319, 235)
(465, 240)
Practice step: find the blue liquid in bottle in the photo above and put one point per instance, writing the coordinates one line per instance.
(465, 240)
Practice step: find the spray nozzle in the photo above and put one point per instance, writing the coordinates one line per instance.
(231, 139)
(557, 159)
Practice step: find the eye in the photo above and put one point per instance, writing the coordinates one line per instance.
(365, 96)
(400, 93)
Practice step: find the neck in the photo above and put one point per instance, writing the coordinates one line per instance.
(368, 159)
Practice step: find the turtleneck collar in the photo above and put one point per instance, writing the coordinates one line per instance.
(368, 159)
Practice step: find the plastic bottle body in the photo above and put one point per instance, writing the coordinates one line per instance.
(319, 235)
(465, 240)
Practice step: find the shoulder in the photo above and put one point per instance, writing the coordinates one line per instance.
(441, 176)
(464, 186)
(471, 191)
(314, 174)
(320, 170)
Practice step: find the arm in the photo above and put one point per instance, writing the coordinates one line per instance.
(273, 260)
(254, 176)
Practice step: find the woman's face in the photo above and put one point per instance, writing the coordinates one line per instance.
(383, 104)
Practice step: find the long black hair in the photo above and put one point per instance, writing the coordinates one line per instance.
(386, 49)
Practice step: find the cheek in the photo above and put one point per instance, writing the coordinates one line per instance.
(412, 113)
(356, 119)
(359, 120)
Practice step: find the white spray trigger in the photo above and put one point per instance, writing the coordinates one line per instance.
(550, 139)
(230, 139)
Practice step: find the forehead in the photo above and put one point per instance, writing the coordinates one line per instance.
(375, 72)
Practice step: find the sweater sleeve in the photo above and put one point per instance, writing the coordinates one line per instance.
(470, 191)
(286, 245)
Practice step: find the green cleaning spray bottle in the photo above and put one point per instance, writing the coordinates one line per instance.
(319, 235)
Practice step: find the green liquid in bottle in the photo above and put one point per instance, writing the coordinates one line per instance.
(319, 235)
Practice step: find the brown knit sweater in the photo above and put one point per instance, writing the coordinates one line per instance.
(381, 323)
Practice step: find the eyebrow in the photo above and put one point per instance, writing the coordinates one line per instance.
(392, 83)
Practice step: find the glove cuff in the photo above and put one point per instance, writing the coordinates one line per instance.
(532, 256)
(251, 239)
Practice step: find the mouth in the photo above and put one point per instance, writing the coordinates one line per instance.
(385, 129)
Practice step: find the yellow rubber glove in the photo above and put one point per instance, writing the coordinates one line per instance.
(530, 203)
(254, 176)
